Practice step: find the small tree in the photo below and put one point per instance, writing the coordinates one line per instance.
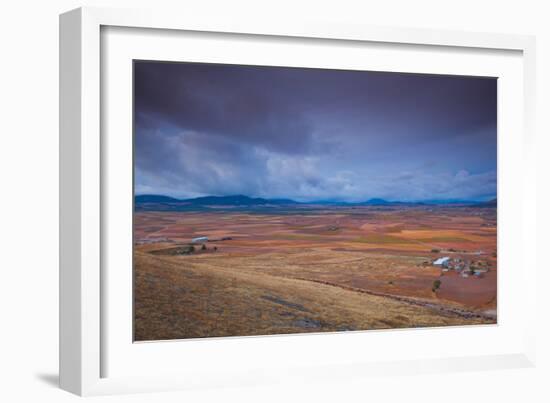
(436, 284)
(435, 250)
(203, 247)
(191, 249)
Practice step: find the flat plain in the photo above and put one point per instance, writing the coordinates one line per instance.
(312, 269)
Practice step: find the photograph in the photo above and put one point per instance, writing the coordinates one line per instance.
(274, 200)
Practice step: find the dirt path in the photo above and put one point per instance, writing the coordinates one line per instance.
(463, 313)
(433, 306)
(489, 315)
(179, 298)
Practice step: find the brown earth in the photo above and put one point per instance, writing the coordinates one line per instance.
(325, 269)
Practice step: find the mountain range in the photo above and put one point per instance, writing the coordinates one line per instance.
(161, 202)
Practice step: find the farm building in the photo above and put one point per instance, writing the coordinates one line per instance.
(201, 239)
(442, 261)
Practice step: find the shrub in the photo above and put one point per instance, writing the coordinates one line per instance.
(436, 284)
(435, 250)
(203, 247)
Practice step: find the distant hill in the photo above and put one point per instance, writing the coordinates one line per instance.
(434, 202)
(376, 202)
(490, 203)
(236, 200)
(166, 203)
(383, 202)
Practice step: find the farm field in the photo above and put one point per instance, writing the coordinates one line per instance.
(312, 269)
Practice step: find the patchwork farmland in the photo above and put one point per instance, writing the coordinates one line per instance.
(236, 272)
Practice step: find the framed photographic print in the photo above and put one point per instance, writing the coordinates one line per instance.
(237, 199)
(274, 200)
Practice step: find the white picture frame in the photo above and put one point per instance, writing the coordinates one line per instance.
(85, 346)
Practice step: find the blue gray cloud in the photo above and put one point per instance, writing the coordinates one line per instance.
(309, 134)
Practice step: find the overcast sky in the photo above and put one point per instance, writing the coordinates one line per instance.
(312, 134)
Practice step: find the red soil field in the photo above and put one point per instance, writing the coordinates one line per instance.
(355, 252)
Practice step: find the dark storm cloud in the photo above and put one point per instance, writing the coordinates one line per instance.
(309, 133)
(221, 100)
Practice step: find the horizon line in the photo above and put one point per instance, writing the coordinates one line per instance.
(325, 200)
